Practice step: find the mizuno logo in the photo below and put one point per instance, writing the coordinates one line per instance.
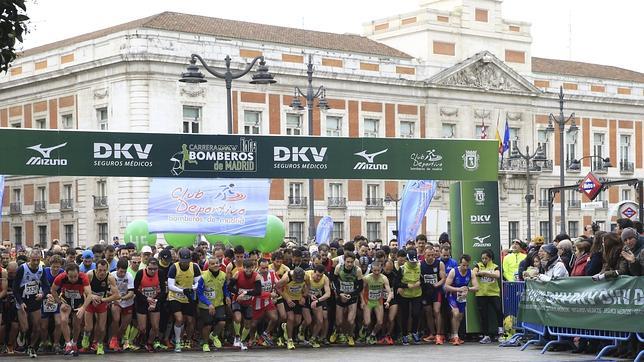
(370, 165)
(46, 152)
(481, 239)
(370, 156)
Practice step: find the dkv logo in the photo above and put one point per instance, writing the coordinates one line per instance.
(297, 154)
(122, 151)
(480, 219)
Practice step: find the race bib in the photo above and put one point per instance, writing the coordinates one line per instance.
(295, 289)
(179, 295)
(98, 294)
(461, 297)
(430, 279)
(346, 287)
(210, 294)
(31, 289)
(375, 294)
(72, 294)
(245, 296)
(149, 292)
(487, 280)
(315, 292)
(49, 307)
(268, 287)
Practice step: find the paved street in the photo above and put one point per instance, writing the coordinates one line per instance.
(466, 352)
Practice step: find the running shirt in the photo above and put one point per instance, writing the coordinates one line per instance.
(393, 278)
(461, 281)
(430, 275)
(183, 279)
(112, 264)
(72, 293)
(410, 275)
(316, 289)
(283, 269)
(146, 286)
(99, 287)
(294, 290)
(124, 285)
(50, 307)
(28, 282)
(269, 281)
(449, 264)
(246, 283)
(375, 288)
(488, 287)
(211, 289)
(347, 279)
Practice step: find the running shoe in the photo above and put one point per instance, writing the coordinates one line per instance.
(485, 340)
(342, 338)
(382, 340)
(242, 346)
(280, 342)
(390, 341)
(237, 342)
(99, 349)
(85, 342)
(205, 347)
(68, 349)
(405, 340)
(177, 347)
(440, 339)
(314, 343)
(371, 339)
(114, 344)
(215, 340)
(159, 346)
(350, 341)
(334, 337)
(416, 338)
(149, 347)
(429, 338)
(300, 334)
(74, 349)
(290, 344)
(268, 339)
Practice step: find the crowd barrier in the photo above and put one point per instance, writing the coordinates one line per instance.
(512, 293)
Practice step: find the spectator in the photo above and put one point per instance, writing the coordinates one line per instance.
(527, 262)
(532, 271)
(565, 252)
(582, 255)
(623, 223)
(552, 267)
(488, 296)
(558, 238)
(513, 259)
(633, 251)
(596, 259)
(614, 265)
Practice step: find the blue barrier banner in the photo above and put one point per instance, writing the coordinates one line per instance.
(209, 206)
(415, 201)
(324, 230)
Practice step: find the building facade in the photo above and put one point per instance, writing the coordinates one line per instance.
(452, 69)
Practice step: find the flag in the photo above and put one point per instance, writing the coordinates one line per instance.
(414, 204)
(506, 137)
(483, 130)
(498, 138)
(324, 230)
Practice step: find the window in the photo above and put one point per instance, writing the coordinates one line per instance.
(598, 150)
(17, 196)
(626, 194)
(67, 192)
(480, 15)
(571, 149)
(16, 124)
(338, 230)
(101, 188)
(625, 152)
(373, 230)
(42, 235)
(407, 129)
(371, 127)
(17, 234)
(67, 121)
(293, 124)
(449, 130)
(296, 230)
(335, 190)
(543, 197)
(41, 123)
(295, 193)
(513, 230)
(601, 224)
(42, 194)
(514, 137)
(252, 122)
(373, 191)
(191, 119)
(69, 234)
(542, 140)
(573, 229)
(101, 118)
(478, 133)
(333, 126)
(102, 231)
(544, 229)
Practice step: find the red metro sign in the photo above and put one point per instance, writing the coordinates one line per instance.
(590, 186)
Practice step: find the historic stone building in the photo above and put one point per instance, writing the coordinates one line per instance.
(450, 69)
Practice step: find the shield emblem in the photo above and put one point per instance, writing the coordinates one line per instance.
(471, 160)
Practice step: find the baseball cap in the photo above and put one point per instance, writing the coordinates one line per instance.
(522, 244)
(298, 274)
(130, 245)
(87, 254)
(185, 255)
(412, 256)
(146, 249)
(165, 255)
(629, 233)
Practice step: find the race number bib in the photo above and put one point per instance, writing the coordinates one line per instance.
(31, 289)
(244, 297)
(210, 294)
(49, 307)
(346, 287)
(461, 297)
(149, 292)
(72, 294)
(295, 289)
(268, 287)
(487, 280)
(375, 294)
(430, 279)
(315, 292)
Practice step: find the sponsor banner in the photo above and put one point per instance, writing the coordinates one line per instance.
(474, 213)
(81, 153)
(209, 206)
(324, 231)
(414, 203)
(580, 302)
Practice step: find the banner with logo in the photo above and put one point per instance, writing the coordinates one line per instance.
(474, 216)
(324, 231)
(81, 153)
(209, 206)
(613, 305)
(417, 196)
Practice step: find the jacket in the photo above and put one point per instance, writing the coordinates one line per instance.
(579, 266)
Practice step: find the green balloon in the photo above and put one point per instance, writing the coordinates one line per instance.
(137, 232)
(274, 235)
(180, 240)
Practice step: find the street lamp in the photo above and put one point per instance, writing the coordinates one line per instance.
(193, 75)
(572, 131)
(296, 104)
(604, 163)
(538, 156)
(395, 199)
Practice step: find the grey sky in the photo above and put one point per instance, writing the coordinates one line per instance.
(594, 31)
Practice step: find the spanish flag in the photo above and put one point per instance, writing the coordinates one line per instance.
(498, 138)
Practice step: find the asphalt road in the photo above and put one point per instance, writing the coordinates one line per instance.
(445, 353)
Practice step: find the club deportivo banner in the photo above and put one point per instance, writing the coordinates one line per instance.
(474, 217)
(81, 153)
(417, 196)
(209, 206)
(613, 305)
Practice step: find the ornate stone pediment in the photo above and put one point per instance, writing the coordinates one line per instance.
(483, 71)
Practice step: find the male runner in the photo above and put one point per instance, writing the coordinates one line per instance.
(280, 269)
(212, 292)
(149, 288)
(123, 309)
(244, 285)
(457, 286)
(49, 307)
(432, 271)
(102, 284)
(410, 297)
(348, 284)
(374, 289)
(87, 263)
(316, 303)
(183, 278)
(293, 287)
(265, 304)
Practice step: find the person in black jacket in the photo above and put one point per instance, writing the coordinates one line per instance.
(594, 265)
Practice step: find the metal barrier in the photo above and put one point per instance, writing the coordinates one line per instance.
(640, 356)
(512, 292)
(566, 332)
(537, 329)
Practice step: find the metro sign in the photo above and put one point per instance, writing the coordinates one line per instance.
(629, 212)
(590, 186)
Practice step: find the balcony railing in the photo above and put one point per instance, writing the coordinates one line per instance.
(604, 204)
(15, 208)
(337, 202)
(519, 166)
(40, 206)
(374, 203)
(543, 203)
(294, 201)
(66, 204)
(598, 166)
(626, 167)
(574, 204)
(100, 202)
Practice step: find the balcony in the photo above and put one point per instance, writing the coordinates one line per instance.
(375, 203)
(519, 166)
(66, 205)
(543, 203)
(15, 208)
(40, 207)
(626, 167)
(337, 202)
(574, 204)
(100, 202)
(604, 204)
(571, 170)
(599, 167)
(297, 202)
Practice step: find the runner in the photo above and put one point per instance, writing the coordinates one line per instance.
(183, 278)
(280, 269)
(244, 285)
(457, 286)
(28, 291)
(316, 303)
(293, 287)
(101, 282)
(432, 271)
(87, 263)
(238, 262)
(149, 288)
(375, 285)
(348, 284)
(410, 297)
(49, 307)
(393, 276)
(4, 290)
(122, 310)
(72, 292)
(211, 291)
(265, 305)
